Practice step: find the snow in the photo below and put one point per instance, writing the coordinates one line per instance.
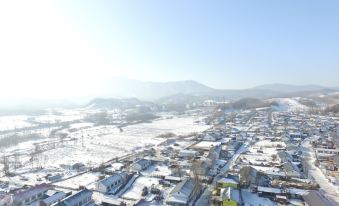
(81, 125)
(157, 170)
(288, 104)
(206, 145)
(331, 191)
(14, 122)
(100, 144)
(87, 180)
(134, 193)
(254, 199)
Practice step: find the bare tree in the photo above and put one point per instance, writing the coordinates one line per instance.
(195, 167)
(245, 176)
(5, 163)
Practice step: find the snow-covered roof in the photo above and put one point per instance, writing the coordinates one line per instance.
(22, 195)
(269, 190)
(316, 199)
(181, 192)
(110, 180)
(206, 145)
(54, 198)
(142, 162)
(227, 180)
(231, 194)
(76, 198)
(172, 178)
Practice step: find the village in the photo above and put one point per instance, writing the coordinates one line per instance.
(251, 157)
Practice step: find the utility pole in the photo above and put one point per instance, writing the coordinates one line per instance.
(82, 140)
(6, 165)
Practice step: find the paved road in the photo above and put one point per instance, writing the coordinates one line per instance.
(205, 197)
(330, 191)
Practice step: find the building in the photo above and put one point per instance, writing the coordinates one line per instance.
(54, 178)
(79, 167)
(291, 170)
(51, 197)
(227, 182)
(112, 183)
(6, 199)
(187, 154)
(315, 199)
(31, 195)
(230, 196)
(140, 165)
(183, 193)
(82, 198)
(325, 154)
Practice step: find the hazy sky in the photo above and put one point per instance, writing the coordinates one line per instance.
(55, 48)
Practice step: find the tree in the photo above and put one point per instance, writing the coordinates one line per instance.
(195, 166)
(245, 176)
(274, 157)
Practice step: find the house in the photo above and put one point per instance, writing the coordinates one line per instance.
(51, 197)
(112, 183)
(230, 196)
(54, 178)
(79, 167)
(227, 182)
(31, 195)
(172, 179)
(140, 165)
(183, 193)
(187, 154)
(295, 135)
(82, 198)
(325, 154)
(284, 156)
(314, 198)
(209, 137)
(291, 170)
(6, 199)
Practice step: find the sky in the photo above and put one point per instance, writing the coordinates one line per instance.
(53, 49)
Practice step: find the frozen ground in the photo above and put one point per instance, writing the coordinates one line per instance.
(158, 170)
(14, 122)
(254, 200)
(87, 180)
(103, 143)
(134, 193)
(288, 104)
(331, 191)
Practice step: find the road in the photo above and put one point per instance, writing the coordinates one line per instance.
(205, 197)
(329, 190)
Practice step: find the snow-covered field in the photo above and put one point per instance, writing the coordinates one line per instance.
(103, 143)
(134, 193)
(254, 200)
(14, 122)
(288, 104)
(87, 180)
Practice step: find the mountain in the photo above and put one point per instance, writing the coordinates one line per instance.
(114, 103)
(184, 90)
(169, 93)
(286, 88)
(127, 88)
